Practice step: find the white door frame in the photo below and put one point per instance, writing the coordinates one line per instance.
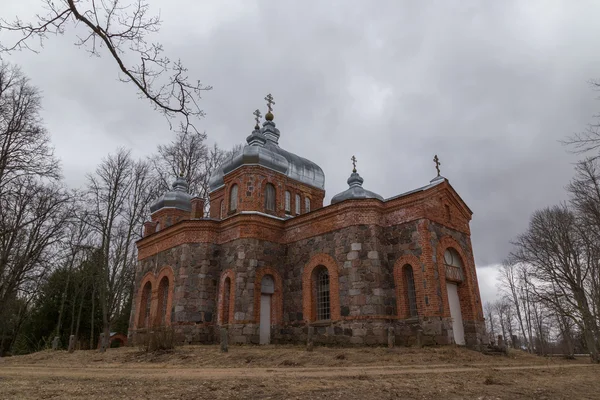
(455, 313)
(267, 288)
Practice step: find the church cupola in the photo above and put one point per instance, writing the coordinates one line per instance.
(264, 178)
(355, 191)
(170, 208)
(177, 198)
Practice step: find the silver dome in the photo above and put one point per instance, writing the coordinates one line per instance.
(355, 191)
(263, 149)
(178, 197)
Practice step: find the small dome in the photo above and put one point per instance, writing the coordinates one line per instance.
(178, 197)
(355, 191)
(263, 149)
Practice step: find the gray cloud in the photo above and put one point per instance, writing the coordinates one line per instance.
(489, 87)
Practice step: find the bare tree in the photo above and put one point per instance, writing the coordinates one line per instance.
(120, 28)
(25, 149)
(118, 193)
(34, 207)
(561, 259)
(188, 155)
(513, 287)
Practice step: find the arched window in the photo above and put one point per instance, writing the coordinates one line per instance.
(163, 297)
(226, 295)
(288, 202)
(270, 197)
(454, 266)
(157, 226)
(298, 204)
(233, 198)
(145, 303)
(306, 204)
(323, 302)
(410, 293)
(222, 209)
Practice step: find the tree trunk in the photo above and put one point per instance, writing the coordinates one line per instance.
(92, 333)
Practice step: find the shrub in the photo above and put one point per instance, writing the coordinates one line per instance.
(156, 339)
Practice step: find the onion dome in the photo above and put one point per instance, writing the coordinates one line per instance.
(355, 191)
(178, 197)
(263, 149)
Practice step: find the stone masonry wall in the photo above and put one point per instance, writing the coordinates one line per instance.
(364, 256)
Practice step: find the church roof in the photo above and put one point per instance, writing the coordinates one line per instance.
(355, 191)
(178, 197)
(263, 149)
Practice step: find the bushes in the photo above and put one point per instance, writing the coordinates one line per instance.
(156, 339)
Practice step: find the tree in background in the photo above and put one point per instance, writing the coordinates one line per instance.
(34, 206)
(120, 29)
(188, 154)
(117, 196)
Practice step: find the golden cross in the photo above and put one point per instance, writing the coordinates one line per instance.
(437, 162)
(270, 102)
(257, 116)
(353, 164)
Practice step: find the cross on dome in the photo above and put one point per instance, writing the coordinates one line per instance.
(437, 162)
(269, 116)
(257, 116)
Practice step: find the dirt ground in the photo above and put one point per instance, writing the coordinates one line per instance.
(288, 372)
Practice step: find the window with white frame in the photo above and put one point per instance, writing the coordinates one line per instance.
(270, 197)
(298, 204)
(323, 298)
(288, 202)
(233, 198)
(306, 204)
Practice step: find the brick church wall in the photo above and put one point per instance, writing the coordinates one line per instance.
(365, 245)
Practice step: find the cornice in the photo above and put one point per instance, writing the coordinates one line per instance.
(318, 222)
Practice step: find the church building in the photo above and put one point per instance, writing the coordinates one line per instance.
(271, 260)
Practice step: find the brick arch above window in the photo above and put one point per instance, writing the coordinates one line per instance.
(402, 305)
(308, 298)
(165, 273)
(139, 298)
(222, 312)
(277, 299)
(466, 289)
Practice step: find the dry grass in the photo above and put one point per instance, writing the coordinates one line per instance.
(288, 372)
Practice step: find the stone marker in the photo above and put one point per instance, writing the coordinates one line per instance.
(71, 343)
(224, 340)
(56, 343)
(102, 347)
(500, 341)
(391, 337)
(309, 338)
(420, 338)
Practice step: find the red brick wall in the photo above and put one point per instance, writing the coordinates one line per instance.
(252, 180)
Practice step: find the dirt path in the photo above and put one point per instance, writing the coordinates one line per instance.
(23, 371)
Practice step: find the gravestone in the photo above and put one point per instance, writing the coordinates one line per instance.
(420, 340)
(309, 338)
(224, 340)
(391, 337)
(56, 343)
(71, 343)
(102, 347)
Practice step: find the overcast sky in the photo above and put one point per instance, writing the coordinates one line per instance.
(488, 86)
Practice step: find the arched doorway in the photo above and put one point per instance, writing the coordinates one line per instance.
(267, 288)
(454, 277)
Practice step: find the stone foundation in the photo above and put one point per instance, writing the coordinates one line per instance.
(427, 331)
